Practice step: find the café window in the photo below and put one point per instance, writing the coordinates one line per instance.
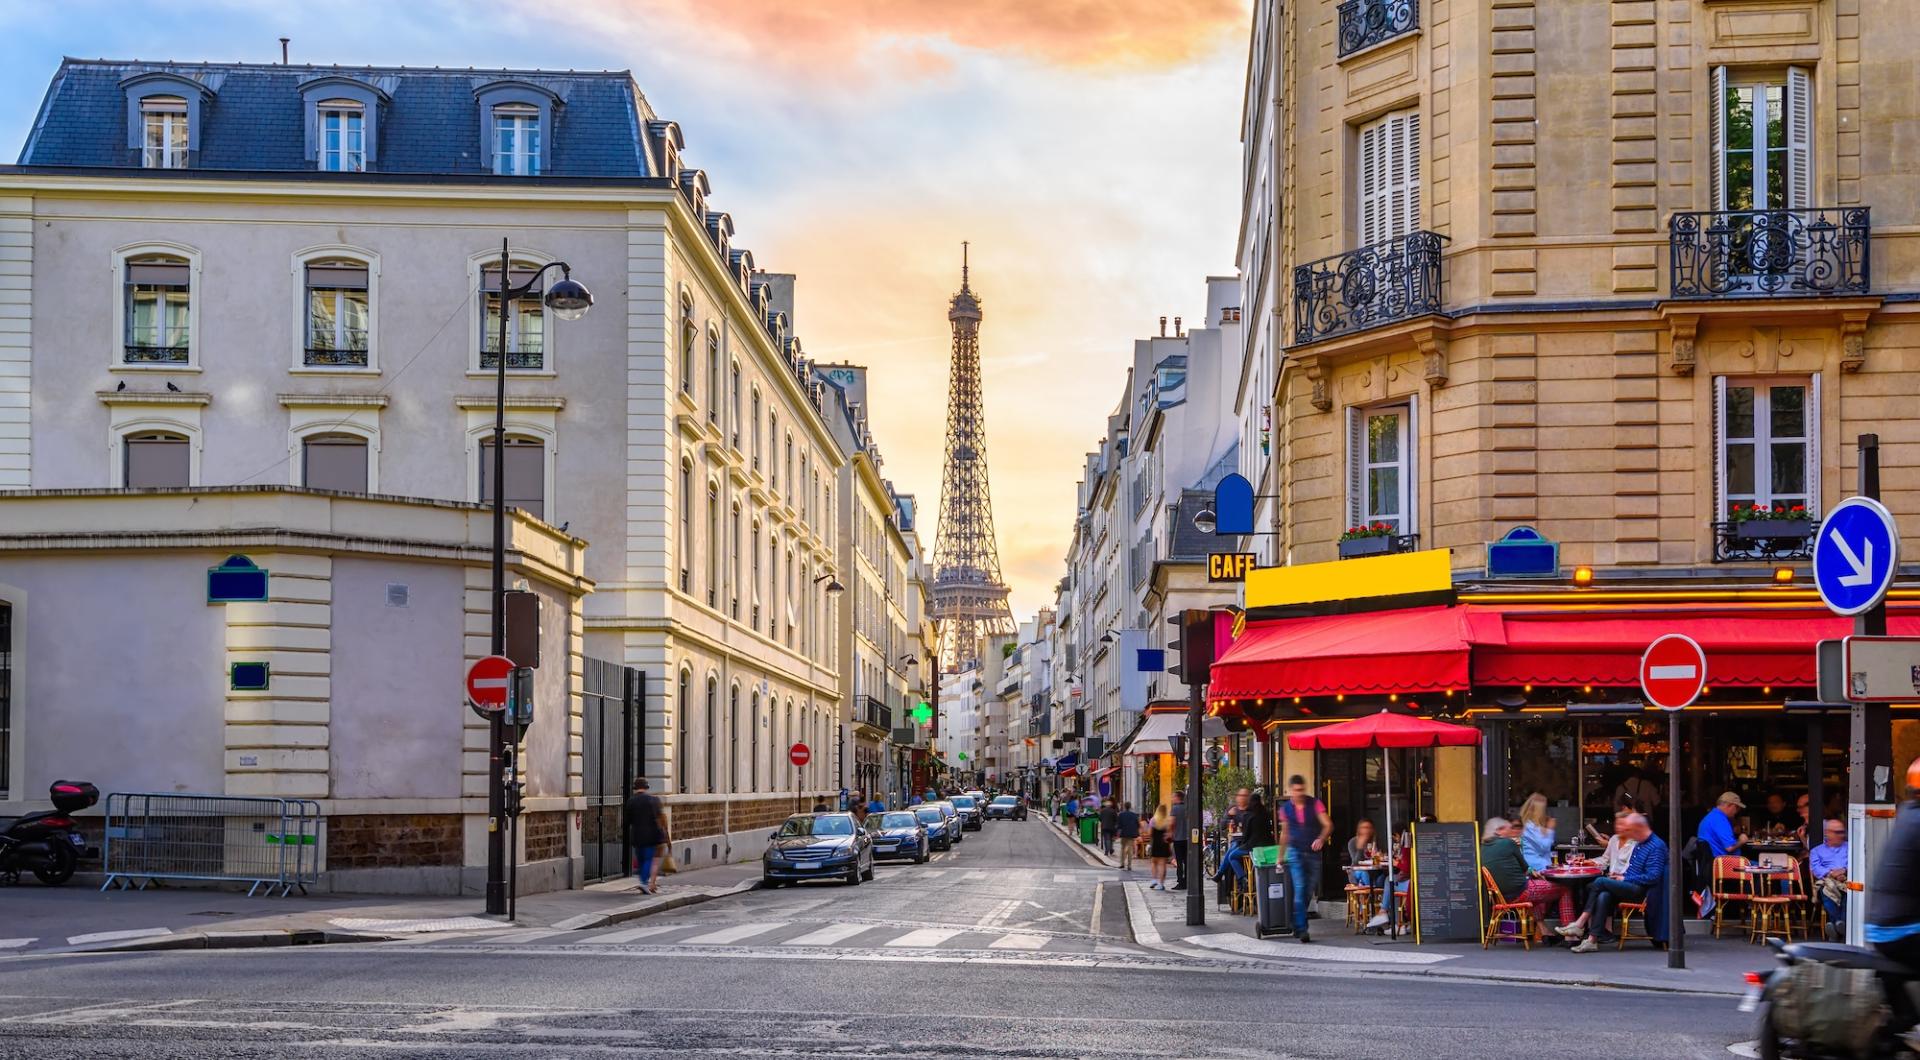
(526, 337)
(1381, 471)
(334, 462)
(1762, 129)
(1768, 434)
(158, 310)
(525, 475)
(338, 314)
(156, 459)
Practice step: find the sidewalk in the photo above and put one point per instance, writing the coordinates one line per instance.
(183, 917)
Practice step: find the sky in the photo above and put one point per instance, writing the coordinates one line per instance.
(1088, 149)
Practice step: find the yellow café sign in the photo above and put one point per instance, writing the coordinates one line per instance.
(1229, 566)
(1383, 581)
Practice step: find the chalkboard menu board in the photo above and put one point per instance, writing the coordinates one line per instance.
(1446, 883)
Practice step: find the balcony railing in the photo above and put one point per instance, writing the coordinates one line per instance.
(875, 714)
(532, 360)
(1365, 23)
(1764, 540)
(1380, 545)
(328, 357)
(1395, 280)
(142, 354)
(1771, 253)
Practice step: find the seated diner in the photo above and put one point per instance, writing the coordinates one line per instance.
(1500, 854)
(1643, 881)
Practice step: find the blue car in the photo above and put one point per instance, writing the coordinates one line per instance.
(899, 834)
(940, 827)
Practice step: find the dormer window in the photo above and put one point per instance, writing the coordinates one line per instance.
(342, 136)
(516, 140)
(163, 121)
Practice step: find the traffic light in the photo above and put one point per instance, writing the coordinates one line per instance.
(1193, 646)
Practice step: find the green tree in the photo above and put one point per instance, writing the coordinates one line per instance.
(1216, 791)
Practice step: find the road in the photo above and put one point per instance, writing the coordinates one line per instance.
(1012, 946)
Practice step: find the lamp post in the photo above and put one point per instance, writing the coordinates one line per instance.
(569, 299)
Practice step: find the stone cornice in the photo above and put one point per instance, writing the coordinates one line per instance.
(153, 397)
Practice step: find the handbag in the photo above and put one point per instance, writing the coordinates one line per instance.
(666, 854)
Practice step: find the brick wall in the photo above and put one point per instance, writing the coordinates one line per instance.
(394, 840)
(693, 820)
(546, 835)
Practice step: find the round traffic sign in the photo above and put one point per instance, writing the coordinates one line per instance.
(1673, 671)
(1855, 555)
(487, 681)
(799, 755)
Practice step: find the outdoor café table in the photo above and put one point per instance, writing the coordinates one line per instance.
(1775, 874)
(1575, 878)
(1771, 846)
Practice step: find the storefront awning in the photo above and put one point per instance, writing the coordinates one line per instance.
(1152, 737)
(1423, 649)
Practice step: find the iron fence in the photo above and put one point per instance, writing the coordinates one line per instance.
(1365, 23)
(1771, 252)
(263, 842)
(1398, 279)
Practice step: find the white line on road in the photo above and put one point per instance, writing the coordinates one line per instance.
(975, 874)
(999, 913)
(1018, 942)
(828, 935)
(727, 936)
(632, 933)
(14, 944)
(925, 937)
(112, 936)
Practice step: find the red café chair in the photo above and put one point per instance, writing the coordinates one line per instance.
(1731, 883)
(1519, 914)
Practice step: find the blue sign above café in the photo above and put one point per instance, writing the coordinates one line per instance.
(1523, 553)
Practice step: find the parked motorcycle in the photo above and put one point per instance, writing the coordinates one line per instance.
(49, 844)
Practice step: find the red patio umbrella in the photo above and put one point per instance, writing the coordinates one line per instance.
(1384, 730)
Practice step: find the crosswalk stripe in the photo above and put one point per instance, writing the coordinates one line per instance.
(114, 936)
(632, 933)
(975, 874)
(1018, 942)
(828, 935)
(932, 873)
(527, 935)
(14, 944)
(733, 934)
(923, 937)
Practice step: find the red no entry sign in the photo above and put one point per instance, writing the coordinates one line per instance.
(1673, 671)
(487, 681)
(799, 755)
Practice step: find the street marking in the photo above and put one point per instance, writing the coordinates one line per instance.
(998, 914)
(975, 874)
(733, 934)
(632, 933)
(111, 936)
(828, 935)
(528, 935)
(1018, 942)
(925, 937)
(14, 944)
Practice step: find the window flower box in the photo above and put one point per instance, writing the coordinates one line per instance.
(1774, 529)
(1354, 547)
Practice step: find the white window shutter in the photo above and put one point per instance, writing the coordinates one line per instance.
(1799, 138)
(1719, 448)
(1356, 466)
(1396, 177)
(1409, 219)
(1815, 502)
(1717, 137)
(1410, 468)
(1370, 183)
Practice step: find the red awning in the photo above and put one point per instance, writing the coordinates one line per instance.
(1422, 649)
(1384, 730)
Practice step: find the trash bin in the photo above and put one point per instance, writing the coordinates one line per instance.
(1090, 829)
(1272, 894)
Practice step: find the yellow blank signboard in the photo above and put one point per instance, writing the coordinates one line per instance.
(1429, 571)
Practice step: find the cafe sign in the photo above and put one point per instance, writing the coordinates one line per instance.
(1229, 566)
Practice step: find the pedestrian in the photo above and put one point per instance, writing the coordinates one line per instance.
(1127, 831)
(1073, 805)
(1179, 814)
(877, 806)
(820, 806)
(646, 826)
(1109, 824)
(1305, 826)
(860, 814)
(1159, 848)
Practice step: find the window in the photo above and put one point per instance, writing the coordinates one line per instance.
(773, 443)
(733, 583)
(1389, 172)
(753, 746)
(755, 559)
(6, 697)
(735, 401)
(334, 462)
(337, 314)
(773, 585)
(786, 471)
(684, 752)
(689, 335)
(516, 140)
(163, 122)
(342, 136)
(713, 735)
(526, 320)
(713, 545)
(1769, 443)
(685, 504)
(525, 475)
(1763, 135)
(1380, 467)
(158, 310)
(713, 377)
(756, 428)
(733, 739)
(155, 459)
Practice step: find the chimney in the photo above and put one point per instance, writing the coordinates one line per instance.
(283, 50)
(1176, 328)
(1163, 327)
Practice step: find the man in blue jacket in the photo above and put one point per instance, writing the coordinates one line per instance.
(1644, 880)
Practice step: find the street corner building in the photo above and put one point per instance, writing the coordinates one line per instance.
(251, 313)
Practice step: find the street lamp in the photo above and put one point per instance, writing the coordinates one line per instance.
(832, 586)
(569, 299)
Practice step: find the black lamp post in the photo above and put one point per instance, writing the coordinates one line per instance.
(569, 299)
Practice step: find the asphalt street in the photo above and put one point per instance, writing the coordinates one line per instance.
(1013, 946)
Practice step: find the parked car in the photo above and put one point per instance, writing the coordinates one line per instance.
(940, 827)
(947, 807)
(978, 795)
(1007, 808)
(970, 812)
(899, 834)
(817, 846)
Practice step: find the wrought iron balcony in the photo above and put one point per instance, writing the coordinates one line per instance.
(1395, 280)
(1771, 253)
(532, 360)
(328, 357)
(875, 714)
(1768, 540)
(1365, 23)
(143, 354)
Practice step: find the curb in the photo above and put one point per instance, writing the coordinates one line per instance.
(588, 921)
(232, 940)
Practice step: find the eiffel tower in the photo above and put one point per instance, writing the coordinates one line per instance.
(969, 599)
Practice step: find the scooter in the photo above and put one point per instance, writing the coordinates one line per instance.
(49, 844)
(1827, 1000)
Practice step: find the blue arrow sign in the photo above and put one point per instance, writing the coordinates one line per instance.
(1855, 556)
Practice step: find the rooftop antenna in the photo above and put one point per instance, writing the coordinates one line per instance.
(283, 50)
(963, 264)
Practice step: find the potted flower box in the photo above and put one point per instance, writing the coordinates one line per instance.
(1375, 539)
(1779, 523)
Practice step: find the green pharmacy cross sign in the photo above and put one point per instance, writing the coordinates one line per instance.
(921, 713)
(963, 756)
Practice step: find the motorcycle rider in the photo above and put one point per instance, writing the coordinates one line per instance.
(1893, 900)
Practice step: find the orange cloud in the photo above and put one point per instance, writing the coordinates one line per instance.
(1069, 33)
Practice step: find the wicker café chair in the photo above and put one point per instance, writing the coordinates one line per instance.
(1731, 884)
(1519, 914)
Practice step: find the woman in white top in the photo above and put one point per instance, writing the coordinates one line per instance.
(1619, 848)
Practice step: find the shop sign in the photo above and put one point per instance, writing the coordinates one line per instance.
(1882, 669)
(1523, 553)
(1404, 579)
(1229, 566)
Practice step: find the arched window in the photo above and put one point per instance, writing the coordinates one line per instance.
(755, 560)
(773, 585)
(733, 740)
(792, 735)
(733, 580)
(684, 752)
(713, 734)
(685, 503)
(155, 459)
(338, 313)
(734, 402)
(786, 468)
(524, 474)
(526, 318)
(773, 449)
(689, 336)
(334, 462)
(713, 376)
(788, 597)
(753, 745)
(713, 544)
(157, 310)
(756, 428)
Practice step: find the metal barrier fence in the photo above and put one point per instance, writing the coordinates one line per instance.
(270, 843)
